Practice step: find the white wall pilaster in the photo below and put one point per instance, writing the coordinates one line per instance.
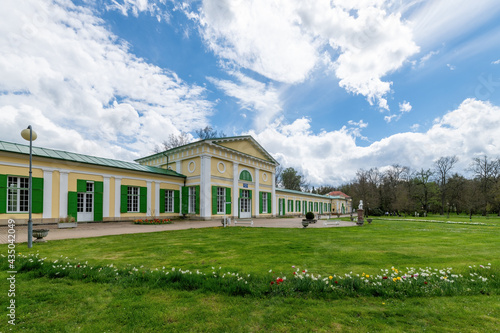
(257, 201)
(205, 182)
(236, 176)
(274, 200)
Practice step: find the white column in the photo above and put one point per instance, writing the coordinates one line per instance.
(118, 192)
(149, 194)
(257, 193)
(273, 195)
(205, 182)
(236, 177)
(47, 194)
(105, 197)
(157, 198)
(63, 194)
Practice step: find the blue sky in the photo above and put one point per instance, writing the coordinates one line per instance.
(327, 87)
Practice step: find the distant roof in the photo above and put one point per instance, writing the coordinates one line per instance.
(338, 193)
(303, 193)
(80, 158)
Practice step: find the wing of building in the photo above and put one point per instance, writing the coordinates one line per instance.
(207, 179)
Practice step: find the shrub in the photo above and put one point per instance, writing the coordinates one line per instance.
(376, 212)
(310, 215)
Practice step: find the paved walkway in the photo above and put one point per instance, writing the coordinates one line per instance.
(92, 229)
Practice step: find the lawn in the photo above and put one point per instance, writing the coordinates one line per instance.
(47, 304)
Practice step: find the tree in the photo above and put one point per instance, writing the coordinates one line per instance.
(442, 169)
(325, 189)
(277, 175)
(209, 133)
(174, 141)
(426, 190)
(291, 179)
(486, 172)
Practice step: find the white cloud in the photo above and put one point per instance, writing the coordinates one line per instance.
(405, 107)
(426, 57)
(496, 62)
(254, 96)
(333, 157)
(388, 119)
(81, 88)
(154, 8)
(415, 127)
(287, 41)
(439, 20)
(451, 67)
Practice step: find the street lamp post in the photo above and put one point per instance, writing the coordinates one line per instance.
(30, 135)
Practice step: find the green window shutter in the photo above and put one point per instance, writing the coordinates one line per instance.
(197, 189)
(81, 185)
(241, 191)
(98, 200)
(185, 193)
(162, 201)
(3, 194)
(123, 198)
(228, 199)
(37, 195)
(72, 202)
(143, 199)
(321, 208)
(177, 201)
(98, 206)
(214, 200)
(98, 187)
(260, 202)
(250, 194)
(269, 209)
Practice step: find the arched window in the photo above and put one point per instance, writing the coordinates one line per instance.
(245, 175)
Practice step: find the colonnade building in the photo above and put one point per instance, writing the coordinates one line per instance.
(207, 179)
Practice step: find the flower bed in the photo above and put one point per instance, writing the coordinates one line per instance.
(395, 283)
(153, 221)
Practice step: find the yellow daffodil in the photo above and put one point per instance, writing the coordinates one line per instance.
(399, 278)
(394, 279)
(330, 277)
(367, 275)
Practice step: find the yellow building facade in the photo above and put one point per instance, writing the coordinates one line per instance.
(208, 179)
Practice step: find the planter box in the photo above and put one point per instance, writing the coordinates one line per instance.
(67, 225)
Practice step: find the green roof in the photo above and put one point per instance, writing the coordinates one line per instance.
(87, 159)
(309, 194)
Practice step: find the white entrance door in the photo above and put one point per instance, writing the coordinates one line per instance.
(245, 205)
(85, 204)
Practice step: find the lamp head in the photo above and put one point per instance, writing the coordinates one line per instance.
(25, 133)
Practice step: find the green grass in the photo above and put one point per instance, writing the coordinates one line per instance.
(74, 305)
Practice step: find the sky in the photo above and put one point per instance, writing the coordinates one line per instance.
(326, 87)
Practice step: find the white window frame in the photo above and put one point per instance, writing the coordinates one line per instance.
(264, 202)
(221, 200)
(133, 199)
(17, 195)
(192, 200)
(297, 203)
(169, 201)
